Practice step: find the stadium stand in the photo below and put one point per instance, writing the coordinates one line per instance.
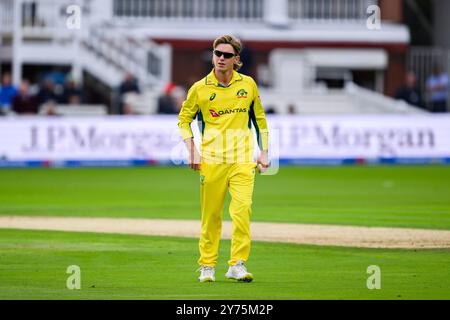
(299, 48)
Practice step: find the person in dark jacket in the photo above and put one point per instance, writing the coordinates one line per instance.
(166, 101)
(409, 91)
(24, 102)
(129, 84)
(72, 93)
(47, 92)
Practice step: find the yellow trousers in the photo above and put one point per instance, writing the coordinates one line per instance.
(215, 181)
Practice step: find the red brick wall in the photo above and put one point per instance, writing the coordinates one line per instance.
(391, 10)
(189, 64)
(188, 67)
(395, 73)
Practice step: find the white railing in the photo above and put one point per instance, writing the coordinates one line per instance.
(146, 60)
(189, 9)
(421, 61)
(6, 16)
(47, 20)
(240, 10)
(329, 10)
(44, 16)
(41, 18)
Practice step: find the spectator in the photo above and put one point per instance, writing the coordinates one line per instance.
(127, 109)
(56, 76)
(437, 84)
(72, 93)
(47, 92)
(409, 91)
(24, 102)
(270, 110)
(129, 84)
(7, 94)
(167, 104)
(49, 109)
(291, 109)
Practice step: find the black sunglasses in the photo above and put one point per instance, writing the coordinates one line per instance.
(226, 55)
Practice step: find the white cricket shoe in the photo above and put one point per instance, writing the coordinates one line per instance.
(206, 274)
(239, 272)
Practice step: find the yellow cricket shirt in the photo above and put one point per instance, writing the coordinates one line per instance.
(225, 116)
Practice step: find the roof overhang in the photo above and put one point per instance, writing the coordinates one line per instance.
(340, 32)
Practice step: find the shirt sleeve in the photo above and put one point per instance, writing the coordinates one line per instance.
(258, 118)
(187, 113)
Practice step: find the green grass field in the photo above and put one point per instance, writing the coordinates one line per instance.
(395, 196)
(135, 267)
(33, 263)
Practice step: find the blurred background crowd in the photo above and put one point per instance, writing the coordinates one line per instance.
(141, 57)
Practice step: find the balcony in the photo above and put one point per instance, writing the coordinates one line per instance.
(43, 34)
(49, 15)
(248, 10)
(242, 10)
(328, 10)
(6, 16)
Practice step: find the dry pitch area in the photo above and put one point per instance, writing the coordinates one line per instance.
(329, 235)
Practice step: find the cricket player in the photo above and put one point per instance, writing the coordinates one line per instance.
(226, 104)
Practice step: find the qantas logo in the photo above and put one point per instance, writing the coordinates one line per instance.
(215, 114)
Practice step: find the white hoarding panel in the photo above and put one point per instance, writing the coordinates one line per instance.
(156, 138)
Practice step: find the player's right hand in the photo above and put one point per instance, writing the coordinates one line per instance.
(195, 160)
